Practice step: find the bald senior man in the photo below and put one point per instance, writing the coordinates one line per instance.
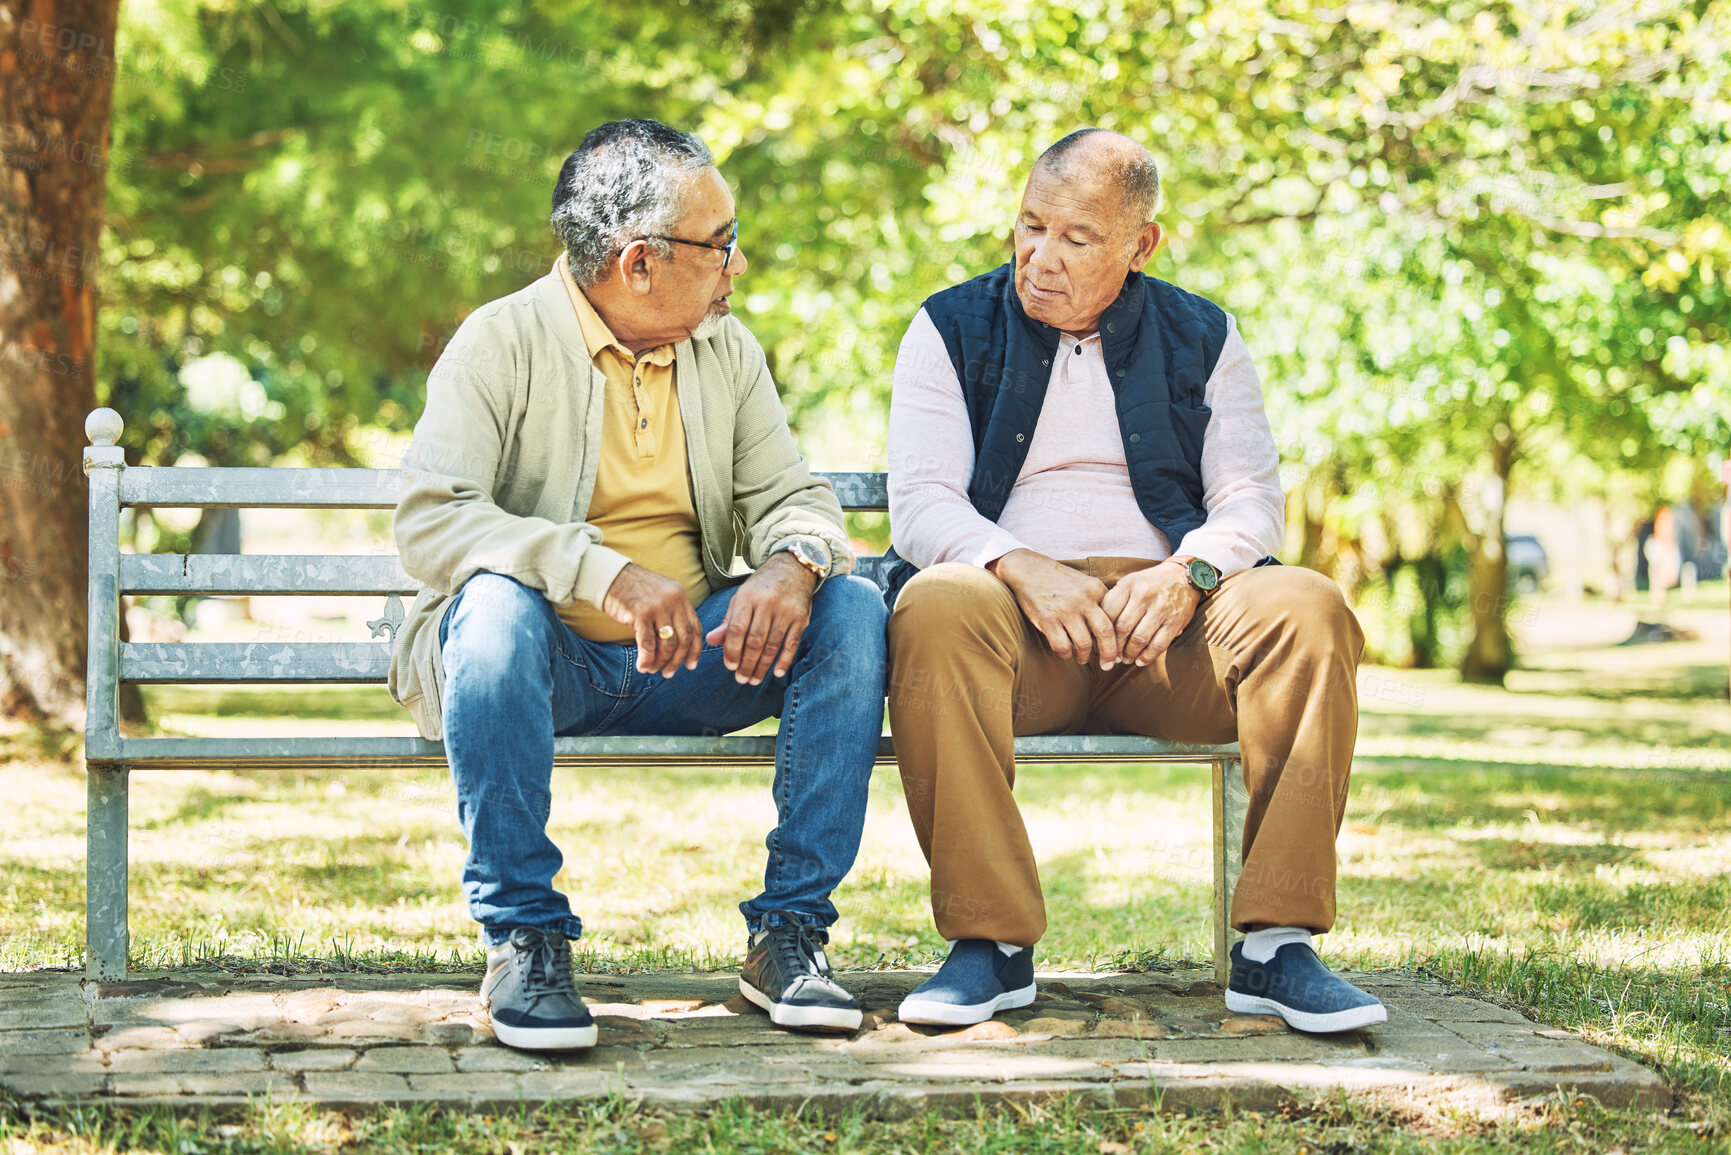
(1084, 499)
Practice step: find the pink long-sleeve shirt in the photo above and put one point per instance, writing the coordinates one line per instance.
(1073, 497)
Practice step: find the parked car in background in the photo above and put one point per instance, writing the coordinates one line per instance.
(1529, 565)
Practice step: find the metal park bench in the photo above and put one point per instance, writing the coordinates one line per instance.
(109, 756)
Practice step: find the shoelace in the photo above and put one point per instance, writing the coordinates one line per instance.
(543, 962)
(804, 945)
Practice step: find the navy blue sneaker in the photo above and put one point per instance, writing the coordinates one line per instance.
(530, 995)
(976, 982)
(1295, 985)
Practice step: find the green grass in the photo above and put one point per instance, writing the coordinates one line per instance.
(1561, 846)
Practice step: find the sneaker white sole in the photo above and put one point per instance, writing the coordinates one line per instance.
(545, 1038)
(1347, 1020)
(932, 1014)
(806, 1018)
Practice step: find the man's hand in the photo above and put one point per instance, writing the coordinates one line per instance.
(1063, 604)
(766, 620)
(647, 602)
(1149, 609)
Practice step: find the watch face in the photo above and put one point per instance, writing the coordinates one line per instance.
(1202, 575)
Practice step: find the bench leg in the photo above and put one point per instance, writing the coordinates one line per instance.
(1231, 801)
(105, 932)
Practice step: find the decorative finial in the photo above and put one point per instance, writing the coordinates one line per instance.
(103, 426)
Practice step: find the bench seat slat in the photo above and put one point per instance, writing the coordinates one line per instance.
(736, 750)
(273, 488)
(232, 573)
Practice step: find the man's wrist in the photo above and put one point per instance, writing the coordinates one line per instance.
(809, 552)
(785, 560)
(1200, 576)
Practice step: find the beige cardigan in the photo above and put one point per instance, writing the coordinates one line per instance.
(502, 469)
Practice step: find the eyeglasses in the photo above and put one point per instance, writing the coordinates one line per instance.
(726, 250)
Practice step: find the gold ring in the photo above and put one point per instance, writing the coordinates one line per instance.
(664, 632)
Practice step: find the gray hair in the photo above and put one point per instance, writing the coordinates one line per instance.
(1128, 165)
(625, 180)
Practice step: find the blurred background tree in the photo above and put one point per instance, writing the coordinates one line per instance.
(1478, 248)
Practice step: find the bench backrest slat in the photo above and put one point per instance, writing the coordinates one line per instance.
(246, 574)
(196, 662)
(216, 488)
(222, 488)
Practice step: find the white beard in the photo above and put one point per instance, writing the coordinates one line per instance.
(709, 328)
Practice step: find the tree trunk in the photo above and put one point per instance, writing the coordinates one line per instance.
(1490, 655)
(57, 92)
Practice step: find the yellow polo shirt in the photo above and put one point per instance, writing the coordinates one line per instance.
(642, 504)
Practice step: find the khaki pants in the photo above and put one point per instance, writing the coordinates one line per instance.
(1269, 661)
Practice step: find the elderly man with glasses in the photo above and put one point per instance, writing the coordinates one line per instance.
(596, 452)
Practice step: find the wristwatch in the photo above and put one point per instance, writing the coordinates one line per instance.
(810, 554)
(1202, 576)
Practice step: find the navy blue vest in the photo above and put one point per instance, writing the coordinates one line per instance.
(1160, 345)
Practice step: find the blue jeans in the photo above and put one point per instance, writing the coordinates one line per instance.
(516, 676)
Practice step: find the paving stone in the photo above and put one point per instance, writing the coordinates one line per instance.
(448, 1034)
(1122, 1007)
(471, 1086)
(38, 1014)
(356, 1085)
(612, 1058)
(367, 1029)
(339, 1015)
(907, 1101)
(980, 1032)
(82, 1062)
(1459, 1009)
(1543, 1055)
(406, 1060)
(1253, 1025)
(1287, 1047)
(1055, 1027)
(408, 1015)
(141, 1039)
(49, 1042)
(131, 1085)
(257, 1083)
(673, 1006)
(228, 1060)
(53, 1086)
(1100, 1050)
(308, 1006)
(288, 1033)
(479, 1059)
(233, 1005)
(1138, 1029)
(996, 1066)
(567, 1084)
(205, 1030)
(1475, 1030)
(319, 1060)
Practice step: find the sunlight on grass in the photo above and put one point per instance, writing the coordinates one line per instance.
(1566, 854)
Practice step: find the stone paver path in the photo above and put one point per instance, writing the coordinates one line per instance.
(690, 1039)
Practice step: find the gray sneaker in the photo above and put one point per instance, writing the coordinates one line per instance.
(787, 975)
(531, 996)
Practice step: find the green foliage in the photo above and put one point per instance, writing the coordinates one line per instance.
(1460, 236)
